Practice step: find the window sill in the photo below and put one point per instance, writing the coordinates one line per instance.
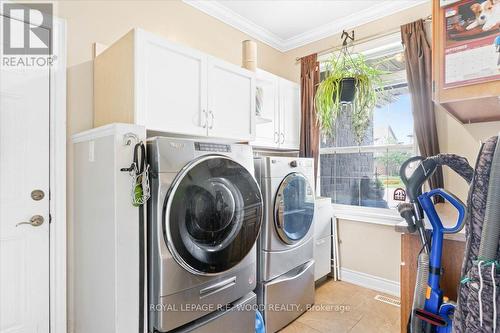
(380, 216)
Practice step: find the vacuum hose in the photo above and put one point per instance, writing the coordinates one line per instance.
(419, 292)
(491, 226)
(405, 209)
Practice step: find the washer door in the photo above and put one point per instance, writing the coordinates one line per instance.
(293, 208)
(212, 215)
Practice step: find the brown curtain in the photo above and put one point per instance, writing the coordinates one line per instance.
(309, 128)
(418, 55)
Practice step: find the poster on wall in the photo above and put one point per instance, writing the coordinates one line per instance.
(472, 42)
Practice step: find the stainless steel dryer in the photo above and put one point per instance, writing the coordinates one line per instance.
(204, 218)
(285, 286)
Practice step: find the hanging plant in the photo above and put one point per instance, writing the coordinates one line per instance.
(351, 83)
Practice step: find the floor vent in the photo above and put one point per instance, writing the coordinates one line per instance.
(388, 300)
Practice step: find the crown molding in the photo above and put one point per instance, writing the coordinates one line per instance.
(226, 15)
(368, 15)
(229, 17)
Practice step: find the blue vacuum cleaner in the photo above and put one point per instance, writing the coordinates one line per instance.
(431, 311)
(259, 323)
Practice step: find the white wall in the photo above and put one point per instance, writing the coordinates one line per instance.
(370, 248)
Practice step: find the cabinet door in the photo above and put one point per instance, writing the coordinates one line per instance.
(323, 216)
(231, 100)
(322, 257)
(289, 115)
(267, 110)
(170, 87)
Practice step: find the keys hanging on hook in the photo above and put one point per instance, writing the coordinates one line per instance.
(129, 169)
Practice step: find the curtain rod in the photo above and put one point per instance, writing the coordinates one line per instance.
(362, 40)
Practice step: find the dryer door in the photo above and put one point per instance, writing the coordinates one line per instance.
(293, 208)
(212, 215)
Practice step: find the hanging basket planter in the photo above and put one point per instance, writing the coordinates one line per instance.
(349, 80)
(347, 90)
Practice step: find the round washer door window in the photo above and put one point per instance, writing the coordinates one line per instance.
(294, 208)
(212, 215)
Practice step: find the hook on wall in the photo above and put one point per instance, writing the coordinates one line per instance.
(130, 138)
(346, 36)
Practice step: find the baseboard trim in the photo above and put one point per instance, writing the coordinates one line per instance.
(370, 281)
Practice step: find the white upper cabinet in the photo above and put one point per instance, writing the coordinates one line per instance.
(267, 110)
(278, 121)
(231, 101)
(172, 89)
(290, 115)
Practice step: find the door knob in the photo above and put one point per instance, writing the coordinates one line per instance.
(35, 221)
(37, 195)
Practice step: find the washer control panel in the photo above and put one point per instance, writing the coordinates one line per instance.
(212, 147)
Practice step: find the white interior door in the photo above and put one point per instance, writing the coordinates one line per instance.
(24, 167)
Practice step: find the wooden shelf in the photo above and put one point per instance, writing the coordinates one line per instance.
(469, 104)
(475, 110)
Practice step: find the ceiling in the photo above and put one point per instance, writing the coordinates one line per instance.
(288, 24)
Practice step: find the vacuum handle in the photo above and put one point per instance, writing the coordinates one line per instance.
(423, 171)
(404, 166)
(456, 202)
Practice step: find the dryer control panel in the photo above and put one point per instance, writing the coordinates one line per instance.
(300, 163)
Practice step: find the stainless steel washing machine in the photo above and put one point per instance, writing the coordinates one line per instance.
(285, 270)
(204, 218)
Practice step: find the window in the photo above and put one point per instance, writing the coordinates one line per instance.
(368, 174)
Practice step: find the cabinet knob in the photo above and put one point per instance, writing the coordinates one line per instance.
(276, 137)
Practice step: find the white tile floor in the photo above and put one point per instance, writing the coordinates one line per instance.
(362, 314)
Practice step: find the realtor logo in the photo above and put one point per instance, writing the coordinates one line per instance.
(27, 29)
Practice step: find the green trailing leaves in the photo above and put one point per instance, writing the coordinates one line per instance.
(369, 85)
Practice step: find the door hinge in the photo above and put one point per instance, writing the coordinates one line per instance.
(50, 218)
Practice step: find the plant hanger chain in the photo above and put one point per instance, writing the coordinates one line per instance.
(344, 51)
